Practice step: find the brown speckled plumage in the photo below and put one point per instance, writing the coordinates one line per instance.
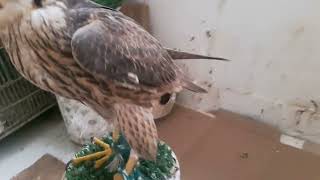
(80, 50)
(139, 128)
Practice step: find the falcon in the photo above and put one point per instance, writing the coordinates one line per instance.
(94, 54)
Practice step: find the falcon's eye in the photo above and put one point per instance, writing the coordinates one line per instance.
(165, 99)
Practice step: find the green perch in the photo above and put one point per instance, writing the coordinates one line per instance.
(160, 170)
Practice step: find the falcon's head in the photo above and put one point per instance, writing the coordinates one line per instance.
(11, 10)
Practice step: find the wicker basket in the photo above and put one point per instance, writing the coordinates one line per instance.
(20, 101)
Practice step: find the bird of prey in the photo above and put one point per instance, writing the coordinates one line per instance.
(84, 51)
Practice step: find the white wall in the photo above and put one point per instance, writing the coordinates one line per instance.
(275, 50)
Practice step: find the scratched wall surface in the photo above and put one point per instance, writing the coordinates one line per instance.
(275, 50)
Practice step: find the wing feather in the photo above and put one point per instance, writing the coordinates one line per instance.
(113, 47)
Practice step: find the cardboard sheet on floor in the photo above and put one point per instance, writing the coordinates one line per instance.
(227, 147)
(46, 168)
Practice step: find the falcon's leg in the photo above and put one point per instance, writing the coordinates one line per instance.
(103, 155)
(139, 129)
(131, 164)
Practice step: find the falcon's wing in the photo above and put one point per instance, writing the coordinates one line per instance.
(113, 47)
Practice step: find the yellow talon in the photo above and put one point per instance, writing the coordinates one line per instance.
(78, 160)
(115, 134)
(132, 162)
(104, 154)
(101, 143)
(117, 177)
(101, 161)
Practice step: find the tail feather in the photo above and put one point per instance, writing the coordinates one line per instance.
(176, 55)
(192, 86)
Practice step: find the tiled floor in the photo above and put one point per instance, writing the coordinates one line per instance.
(46, 134)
